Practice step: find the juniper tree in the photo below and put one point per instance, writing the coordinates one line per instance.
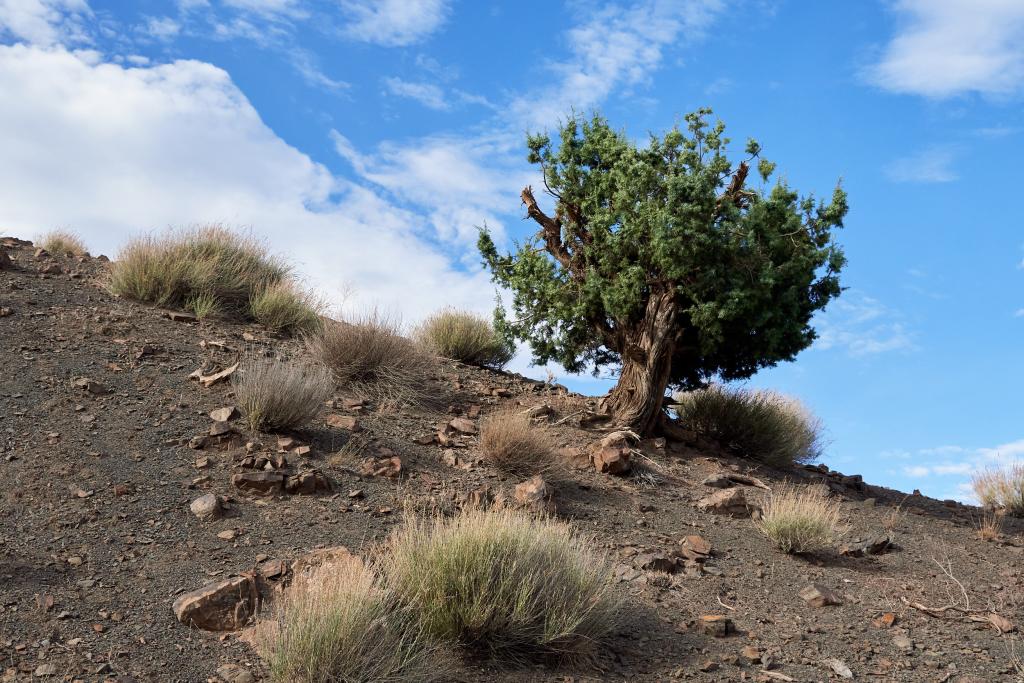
(661, 261)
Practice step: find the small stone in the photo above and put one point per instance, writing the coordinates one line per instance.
(751, 654)
(225, 414)
(904, 643)
(611, 460)
(207, 508)
(716, 625)
(224, 605)
(221, 429)
(839, 667)
(197, 442)
(355, 493)
(708, 665)
(91, 386)
(695, 547)
(817, 595)
(886, 620)
(463, 425)
(233, 673)
(44, 670)
(346, 422)
(227, 535)
(726, 502)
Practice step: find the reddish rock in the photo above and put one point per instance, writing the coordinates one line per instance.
(381, 467)
(726, 502)
(695, 548)
(463, 425)
(610, 460)
(259, 482)
(535, 495)
(307, 483)
(347, 422)
(225, 605)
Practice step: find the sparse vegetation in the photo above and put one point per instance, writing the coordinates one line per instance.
(212, 270)
(800, 519)
(757, 424)
(278, 394)
(991, 526)
(465, 337)
(1001, 488)
(510, 442)
(370, 355)
(63, 243)
(339, 624)
(504, 584)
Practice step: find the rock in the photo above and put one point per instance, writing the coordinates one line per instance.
(885, 620)
(695, 548)
(708, 665)
(718, 481)
(751, 654)
(611, 460)
(875, 546)
(180, 317)
(535, 495)
(5, 260)
(307, 483)
(726, 502)
(347, 422)
(657, 561)
(197, 443)
(207, 508)
(233, 673)
(463, 425)
(839, 667)
(227, 535)
(225, 414)
(317, 558)
(539, 411)
(716, 625)
(4, 312)
(221, 429)
(1001, 624)
(817, 595)
(225, 605)
(381, 467)
(44, 670)
(425, 440)
(91, 386)
(259, 482)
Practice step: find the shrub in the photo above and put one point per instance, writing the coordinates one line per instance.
(800, 519)
(370, 355)
(283, 307)
(466, 337)
(63, 243)
(209, 270)
(510, 442)
(762, 425)
(1001, 488)
(502, 583)
(277, 394)
(338, 624)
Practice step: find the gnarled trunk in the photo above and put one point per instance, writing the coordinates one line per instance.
(647, 347)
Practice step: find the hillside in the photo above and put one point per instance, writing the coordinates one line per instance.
(106, 440)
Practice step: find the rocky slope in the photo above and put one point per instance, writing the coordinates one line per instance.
(107, 441)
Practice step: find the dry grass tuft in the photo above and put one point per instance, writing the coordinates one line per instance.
(63, 243)
(277, 394)
(212, 270)
(370, 356)
(339, 624)
(991, 526)
(757, 424)
(283, 307)
(465, 337)
(1001, 488)
(800, 519)
(511, 442)
(504, 584)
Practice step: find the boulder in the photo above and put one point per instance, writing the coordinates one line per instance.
(225, 605)
(611, 460)
(259, 482)
(696, 548)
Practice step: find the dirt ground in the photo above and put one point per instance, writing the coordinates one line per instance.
(98, 538)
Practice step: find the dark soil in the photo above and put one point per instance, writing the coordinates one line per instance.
(98, 539)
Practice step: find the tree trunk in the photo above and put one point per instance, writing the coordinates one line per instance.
(635, 402)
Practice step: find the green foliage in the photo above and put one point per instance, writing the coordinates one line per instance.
(762, 425)
(744, 268)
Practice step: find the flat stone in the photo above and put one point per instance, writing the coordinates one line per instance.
(259, 482)
(463, 425)
(347, 422)
(224, 414)
(726, 502)
(225, 605)
(817, 595)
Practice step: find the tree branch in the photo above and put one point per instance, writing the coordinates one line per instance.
(551, 229)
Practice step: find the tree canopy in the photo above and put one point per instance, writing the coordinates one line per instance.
(736, 271)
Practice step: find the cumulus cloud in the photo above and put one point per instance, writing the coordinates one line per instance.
(111, 151)
(43, 22)
(952, 47)
(393, 22)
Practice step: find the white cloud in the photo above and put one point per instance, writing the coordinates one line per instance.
(616, 47)
(393, 22)
(161, 28)
(461, 182)
(309, 68)
(953, 47)
(110, 151)
(43, 22)
(274, 9)
(960, 462)
(427, 94)
(862, 326)
(933, 165)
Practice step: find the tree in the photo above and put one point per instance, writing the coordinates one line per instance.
(662, 261)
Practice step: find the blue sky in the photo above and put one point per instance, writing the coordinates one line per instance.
(367, 140)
